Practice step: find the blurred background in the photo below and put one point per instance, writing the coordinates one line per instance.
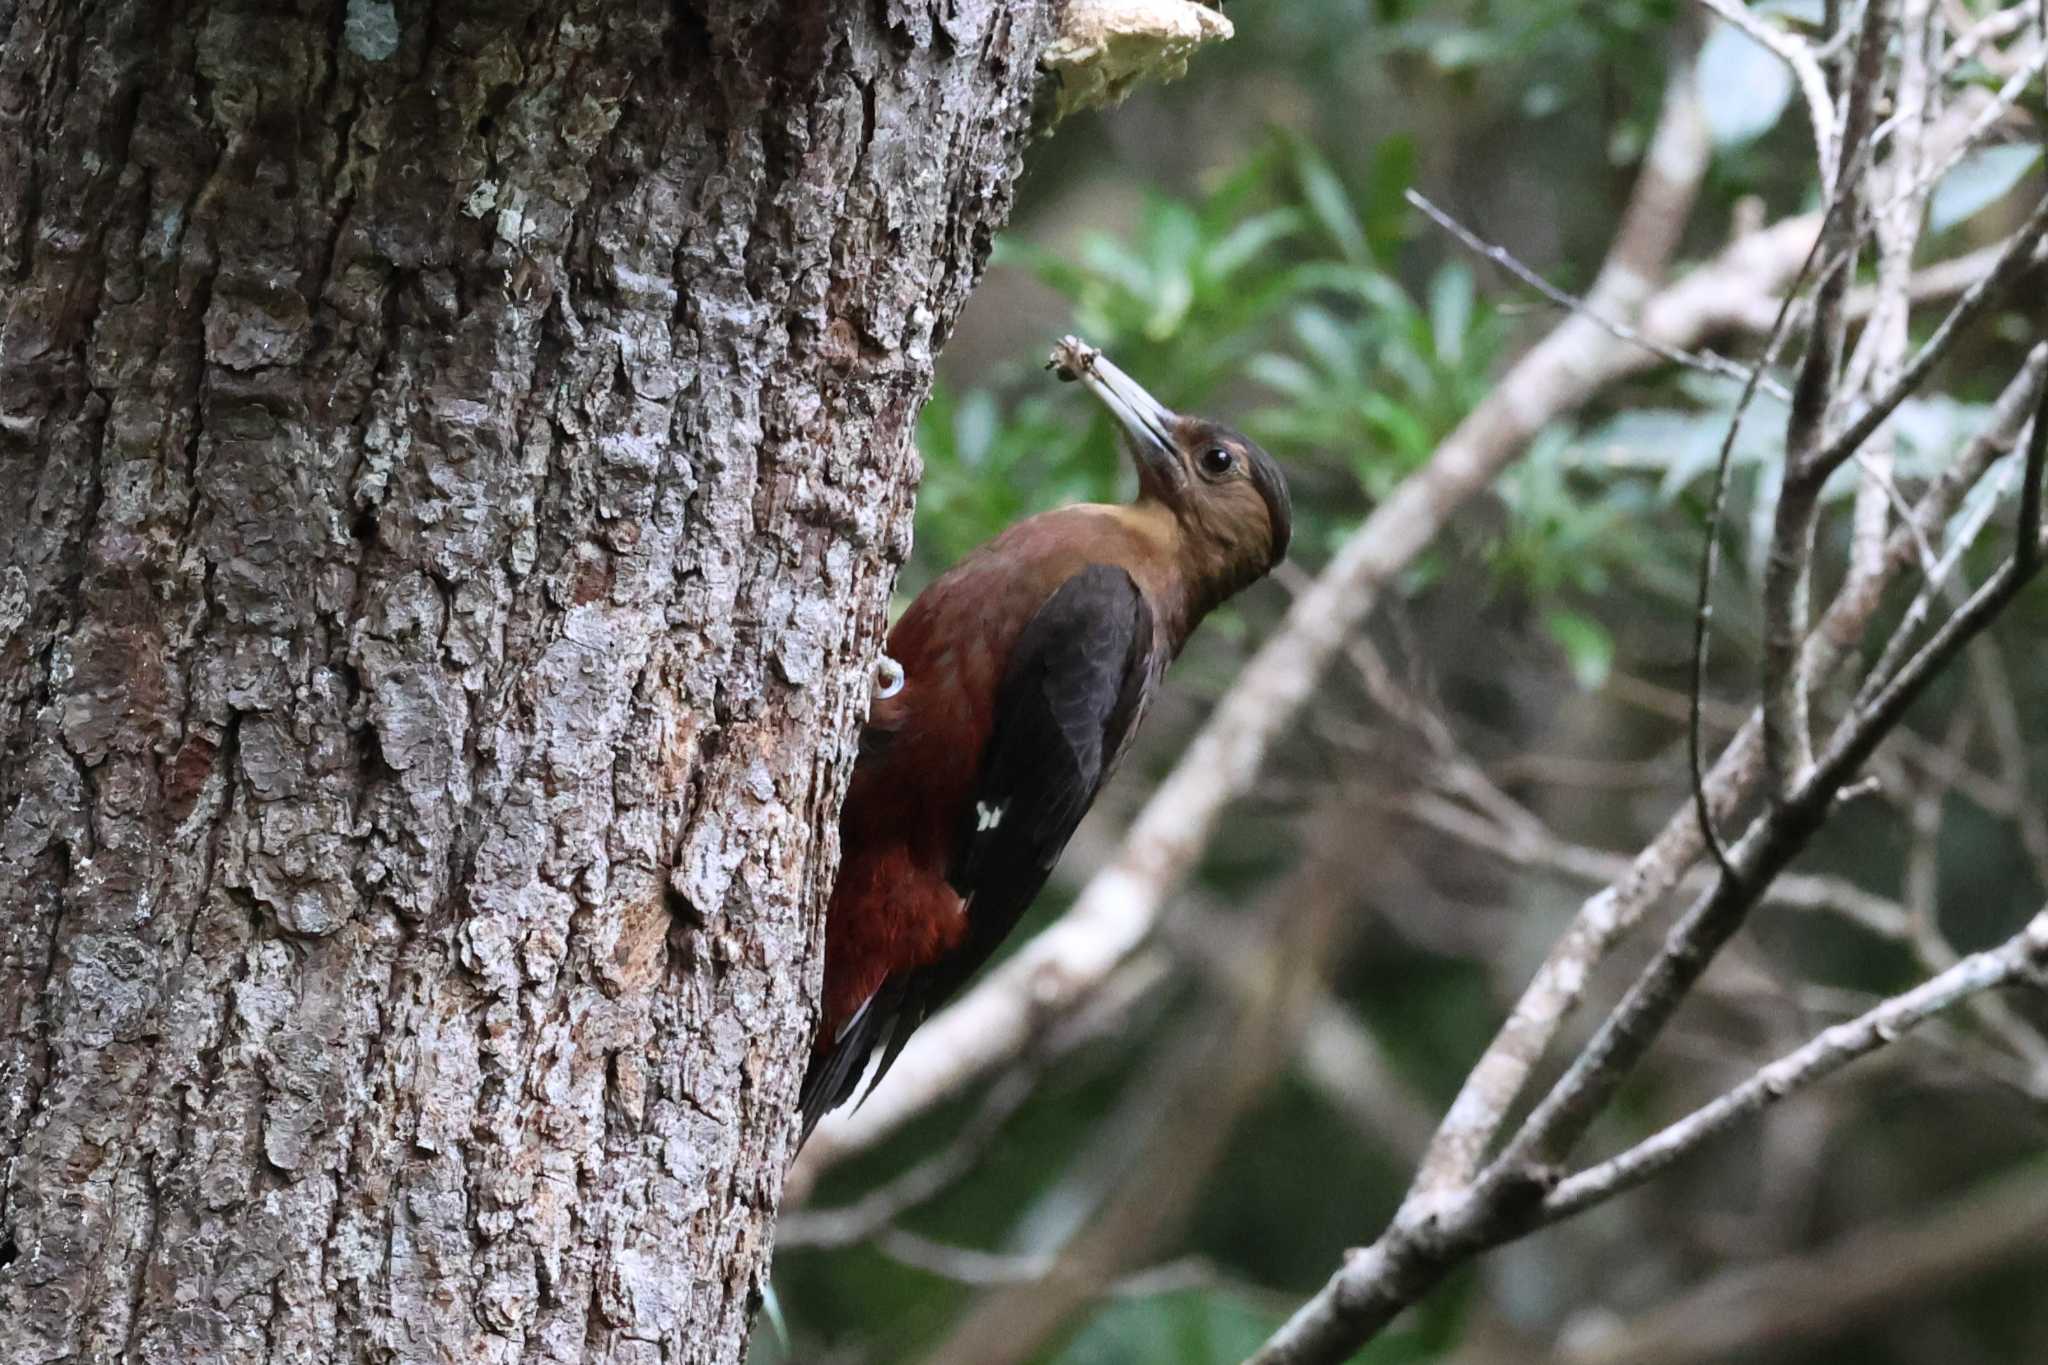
(1507, 731)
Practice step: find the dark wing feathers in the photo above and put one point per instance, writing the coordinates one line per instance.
(1068, 702)
(834, 1073)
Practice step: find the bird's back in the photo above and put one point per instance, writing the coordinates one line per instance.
(922, 752)
(895, 907)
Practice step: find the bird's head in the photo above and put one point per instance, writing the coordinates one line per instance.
(1228, 495)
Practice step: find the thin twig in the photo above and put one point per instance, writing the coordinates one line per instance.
(1806, 69)
(1710, 558)
(1833, 1049)
(1935, 582)
(1706, 362)
(1898, 223)
(1889, 486)
(2015, 258)
(864, 1218)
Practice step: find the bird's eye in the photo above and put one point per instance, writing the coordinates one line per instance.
(1216, 461)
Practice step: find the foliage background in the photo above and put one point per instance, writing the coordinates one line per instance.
(1240, 242)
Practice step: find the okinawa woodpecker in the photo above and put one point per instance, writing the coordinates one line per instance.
(1025, 671)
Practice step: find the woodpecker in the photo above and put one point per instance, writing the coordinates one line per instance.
(1025, 671)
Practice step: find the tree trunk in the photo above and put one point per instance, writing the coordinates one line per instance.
(455, 457)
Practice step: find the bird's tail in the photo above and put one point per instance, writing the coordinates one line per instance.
(836, 1069)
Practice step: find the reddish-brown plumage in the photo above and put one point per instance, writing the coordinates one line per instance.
(892, 908)
(1026, 669)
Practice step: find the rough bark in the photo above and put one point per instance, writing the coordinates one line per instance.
(455, 455)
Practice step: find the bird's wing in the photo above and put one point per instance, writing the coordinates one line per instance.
(1068, 702)
(1070, 698)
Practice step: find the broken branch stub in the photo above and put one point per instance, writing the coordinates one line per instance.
(1105, 48)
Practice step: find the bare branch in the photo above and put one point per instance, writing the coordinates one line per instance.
(1897, 222)
(1439, 1226)
(1626, 1034)
(1827, 1053)
(1788, 569)
(1707, 362)
(1496, 1081)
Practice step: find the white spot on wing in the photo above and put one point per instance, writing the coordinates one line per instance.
(986, 817)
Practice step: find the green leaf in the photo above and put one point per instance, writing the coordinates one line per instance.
(1284, 375)
(1386, 186)
(1401, 430)
(1329, 342)
(1331, 204)
(1979, 180)
(1587, 646)
(1369, 286)
(1450, 311)
(1173, 234)
(1193, 1328)
(1247, 240)
(1743, 87)
(1114, 261)
(975, 425)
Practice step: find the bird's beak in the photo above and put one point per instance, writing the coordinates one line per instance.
(1147, 423)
